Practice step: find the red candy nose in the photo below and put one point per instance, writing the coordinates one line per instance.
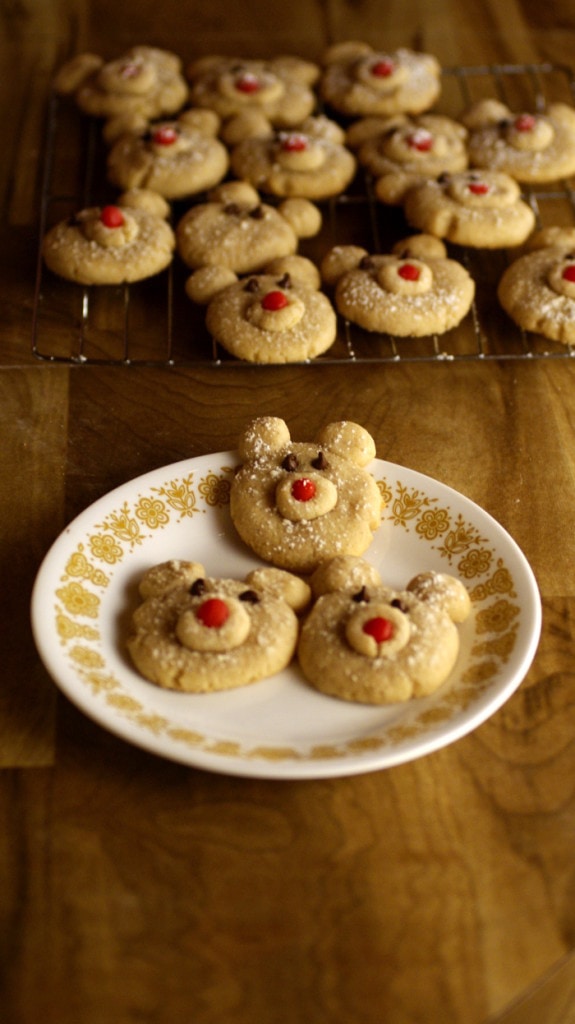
(479, 188)
(112, 217)
(383, 68)
(274, 301)
(294, 143)
(569, 273)
(420, 140)
(379, 628)
(165, 136)
(409, 272)
(130, 70)
(248, 83)
(303, 489)
(525, 123)
(213, 612)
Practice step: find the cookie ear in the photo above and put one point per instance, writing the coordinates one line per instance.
(250, 124)
(167, 575)
(263, 436)
(202, 120)
(75, 72)
(206, 282)
(483, 113)
(302, 215)
(344, 572)
(145, 199)
(349, 440)
(444, 591)
(300, 269)
(420, 247)
(296, 69)
(282, 584)
(339, 261)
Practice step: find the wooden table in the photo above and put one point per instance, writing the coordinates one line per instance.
(137, 889)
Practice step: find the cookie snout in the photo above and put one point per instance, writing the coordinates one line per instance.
(305, 496)
(378, 630)
(214, 624)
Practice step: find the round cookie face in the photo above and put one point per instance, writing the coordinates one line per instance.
(145, 80)
(199, 635)
(172, 158)
(311, 162)
(532, 148)
(279, 89)
(538, 292)
(109, 245)
(358, 81)
(296, 504)
(478, 208)
(266, 319)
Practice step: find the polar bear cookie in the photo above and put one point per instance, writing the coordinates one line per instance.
(358, 80)
(197, 634)
(532, 147)
(479, 208)
(235, 229)
(112, 244)
(298, 503)
(176, 158)
(538, 289)
(405, 151)
(310, 161)
(411, 292)
(280, 90)
(367, 642)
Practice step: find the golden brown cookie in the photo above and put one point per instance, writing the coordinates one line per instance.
(367, 642)
(298, 503)
(197, 634)
(358, 80)
(532, 147)
(538, 289)
(411, 292)
(113, 244)
(479, 208)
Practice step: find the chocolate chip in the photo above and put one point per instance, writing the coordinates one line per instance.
(257, 213)
(252, 285)
(250, 596)
(290, 462)
(443, 178)
(232, 209)
(320, 461)
(198, 587)
(397, 603)
(284, 281)
(366, 263)
(361, 596)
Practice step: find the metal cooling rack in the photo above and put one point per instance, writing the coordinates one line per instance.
(153, 323)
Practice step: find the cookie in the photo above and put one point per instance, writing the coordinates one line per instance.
(537, 290)
(411, 292)
(112, 244)
(310, 161)
(533, 148)
(358, 80)
(403, 152)
(235, 229)
(276, 316)
(298, 503)
(176, 158)
(280, 89)
(197, 634)
(478, 208)
(369, 643)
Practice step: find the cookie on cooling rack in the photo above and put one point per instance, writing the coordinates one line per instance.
(533, 148)
(357, 80)
(537, 290)
(113, 244)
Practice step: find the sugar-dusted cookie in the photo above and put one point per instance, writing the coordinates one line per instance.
(113, 244)
(177, 158)
(310, 161)
(403, 151)
(479, 208)
(235, 229)
(298, 503)
(367, 642)
(537, 290)
(358, 80)
(280, 89)
(532, 147)
(413, 291)
(144, 82)
(198, 634)
(276, 316)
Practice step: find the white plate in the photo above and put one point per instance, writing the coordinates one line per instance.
(278, 728)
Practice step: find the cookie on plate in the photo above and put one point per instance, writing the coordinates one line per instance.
(537, 290)
(366, 642)
(297, 503)
(357, 80)
(482, 209)
(198, 634)
(177, 158)
(533, 148)
(411, 292)
(310, 161)
(112, 244)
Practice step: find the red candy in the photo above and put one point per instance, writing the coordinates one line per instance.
(409, 272)
(112, 217)
(248, 83)
(569, 273)
(525, 123)
(130, 70)
(213, 612)
(479, 188)
(303, 489)
(274, 301)
(420, 140)
(383, 68)
(294, 143)
(165, 136)
(379, 628)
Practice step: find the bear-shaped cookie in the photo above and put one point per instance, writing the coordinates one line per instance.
(235, 229)
(537, 289)
(199, 634)
(298, 503)
(532, 147)
(414, 291)
(357, 80)
(367, 642)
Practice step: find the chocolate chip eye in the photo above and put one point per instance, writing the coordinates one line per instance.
(257, 213)
(320, 461)
(366, 263)
(362, 596)
(397, 603)
(252, 285)
(198, 587)
(250, 596)
(284, 281)
(443, 178)
(232, 209)
(290, 462)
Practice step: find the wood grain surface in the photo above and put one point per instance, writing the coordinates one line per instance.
(441, 891)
